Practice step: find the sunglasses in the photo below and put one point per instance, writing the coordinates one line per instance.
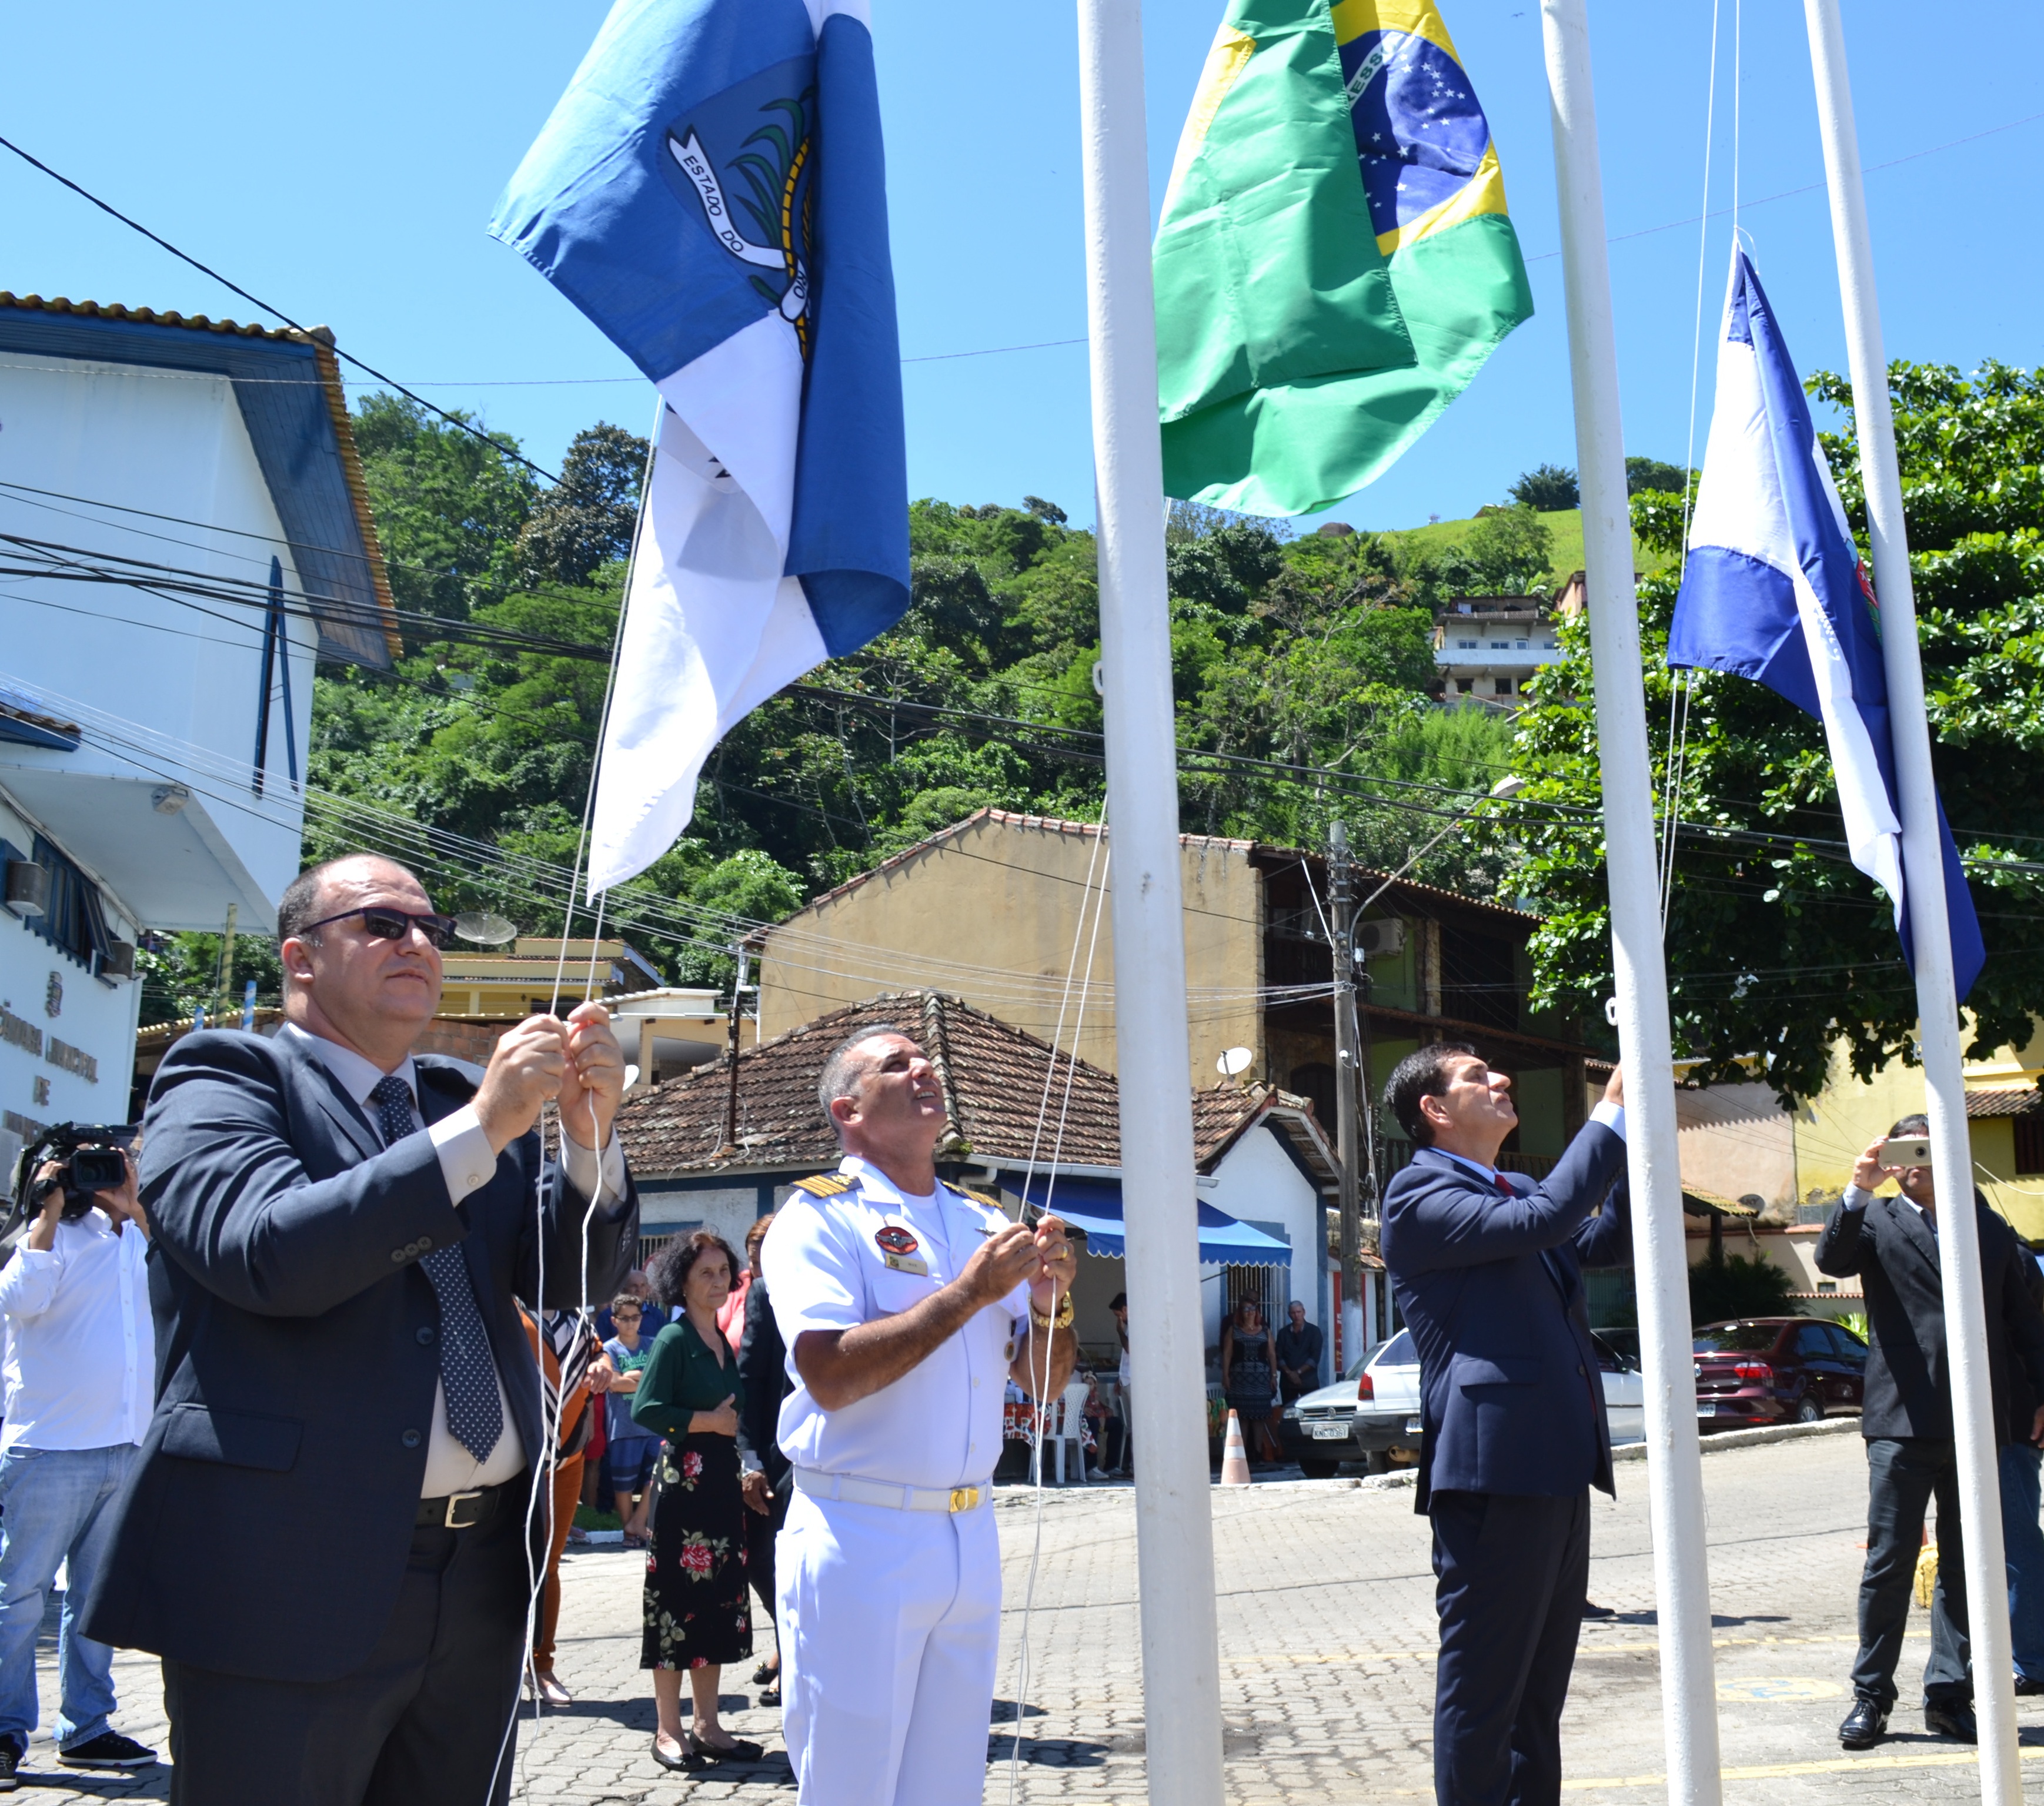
(392, 924)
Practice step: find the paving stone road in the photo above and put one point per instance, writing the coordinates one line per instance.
(1327, 1646)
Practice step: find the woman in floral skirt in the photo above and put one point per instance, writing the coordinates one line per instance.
(697, 1615)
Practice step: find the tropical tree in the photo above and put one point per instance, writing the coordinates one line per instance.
(1780, 954)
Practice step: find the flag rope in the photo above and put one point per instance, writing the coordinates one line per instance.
(1040, 1415)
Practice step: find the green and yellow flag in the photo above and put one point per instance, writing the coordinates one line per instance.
(1335, 263)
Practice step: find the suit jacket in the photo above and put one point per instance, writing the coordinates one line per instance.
(1909, 1374)
(1491, 1288)
(265, 1526)
(762, 1372)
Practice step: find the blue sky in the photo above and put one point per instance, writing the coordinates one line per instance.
(342, 162)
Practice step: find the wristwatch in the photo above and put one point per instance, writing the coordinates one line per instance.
(1061, 1320)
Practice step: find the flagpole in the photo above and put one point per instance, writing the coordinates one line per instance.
(1674, 1468)
(1167, 1353)
(1923, 872)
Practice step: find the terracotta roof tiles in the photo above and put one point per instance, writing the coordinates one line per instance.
(992, 1079)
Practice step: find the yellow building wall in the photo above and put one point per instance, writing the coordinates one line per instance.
(1832, 1130)
(991, 913)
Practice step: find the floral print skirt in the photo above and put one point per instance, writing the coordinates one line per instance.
(697, 1611)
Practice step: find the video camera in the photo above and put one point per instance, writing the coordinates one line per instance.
(94, 1158)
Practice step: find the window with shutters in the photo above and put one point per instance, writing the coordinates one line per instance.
(2029, 1146)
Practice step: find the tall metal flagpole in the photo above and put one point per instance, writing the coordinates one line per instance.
(1674, 1467)
(1175, 1529)
(1937, 1004)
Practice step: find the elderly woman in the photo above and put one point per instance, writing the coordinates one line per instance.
(697, 1615)
(1248, 1376)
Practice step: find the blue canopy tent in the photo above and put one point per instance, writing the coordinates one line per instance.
(1094, 1206)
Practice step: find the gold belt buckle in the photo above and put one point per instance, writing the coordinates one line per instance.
(964, 1498)
(456, 1501)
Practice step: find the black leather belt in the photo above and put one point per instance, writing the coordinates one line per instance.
(460, 1511)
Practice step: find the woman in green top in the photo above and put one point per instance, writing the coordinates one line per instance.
(697, 1613)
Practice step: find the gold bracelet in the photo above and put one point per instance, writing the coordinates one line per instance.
(1061, 1320)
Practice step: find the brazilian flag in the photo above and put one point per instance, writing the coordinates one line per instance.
(1335, 262)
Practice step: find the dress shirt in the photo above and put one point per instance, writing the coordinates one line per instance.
(73, 1381)
(466, 1164)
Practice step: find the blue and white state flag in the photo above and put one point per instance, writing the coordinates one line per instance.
(711, 192)
(1774, 590)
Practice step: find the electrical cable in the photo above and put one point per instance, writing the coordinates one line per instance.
(256, 301)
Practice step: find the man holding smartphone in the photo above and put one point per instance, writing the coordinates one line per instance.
(1891, 1242)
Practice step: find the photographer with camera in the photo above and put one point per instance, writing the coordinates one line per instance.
(81, 1384)
(1891, 1242)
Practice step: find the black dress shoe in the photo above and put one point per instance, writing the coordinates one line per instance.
(1590, 1611)
(1951, 1718)
(1864, 1725)
(2024, 1685)
(688, 1761)
(738, 1749)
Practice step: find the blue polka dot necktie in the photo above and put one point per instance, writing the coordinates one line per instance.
(468, 1373)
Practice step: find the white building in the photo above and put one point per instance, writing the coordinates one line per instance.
(1486, 647)
(183, 530)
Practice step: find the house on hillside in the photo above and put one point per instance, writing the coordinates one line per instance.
(991, 908)
(1018, 1118)
(188, 532)
(1485, 647)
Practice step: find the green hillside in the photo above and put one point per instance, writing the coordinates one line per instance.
(1564, 525)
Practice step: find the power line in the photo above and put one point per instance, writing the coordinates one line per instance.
(257, 301)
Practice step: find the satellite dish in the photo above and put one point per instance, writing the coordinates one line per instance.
(1234, 1060)
(484, 928)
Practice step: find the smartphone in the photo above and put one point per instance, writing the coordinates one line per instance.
(1906, 1151)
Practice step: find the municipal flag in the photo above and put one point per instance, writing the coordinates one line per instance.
(1774, 590)
(710, 192)
(1334, 262)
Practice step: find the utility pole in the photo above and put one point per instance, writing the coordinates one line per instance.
(227, 963)
(731, 1100)
(1346, 1093)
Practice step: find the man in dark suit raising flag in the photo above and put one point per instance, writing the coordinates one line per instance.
(1488, 1266)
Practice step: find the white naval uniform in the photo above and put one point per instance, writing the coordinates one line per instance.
(889, 1619)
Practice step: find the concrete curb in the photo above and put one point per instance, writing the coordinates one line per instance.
(1754, 1439)
(1637, 1451)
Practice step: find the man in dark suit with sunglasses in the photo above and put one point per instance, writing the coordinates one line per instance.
(324, 1535)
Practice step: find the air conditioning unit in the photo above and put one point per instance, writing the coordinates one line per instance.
(27, 888)
(116, 963)
(1372, 938)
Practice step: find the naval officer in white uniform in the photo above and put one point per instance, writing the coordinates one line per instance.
(906, 1308)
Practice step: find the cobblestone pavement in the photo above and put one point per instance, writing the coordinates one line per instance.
(1326, 1635)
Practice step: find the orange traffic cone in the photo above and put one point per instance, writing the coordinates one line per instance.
(1234, 1459)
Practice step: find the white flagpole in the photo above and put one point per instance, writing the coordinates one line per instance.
(1175, 1529)
(1674, 1469)
(1937, 1005)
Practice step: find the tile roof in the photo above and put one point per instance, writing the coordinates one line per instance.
(149, 316)
(2019, 1100)
(349, 600)
(992, 1076)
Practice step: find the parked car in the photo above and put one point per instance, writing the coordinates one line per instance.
(1318, 1428)
(1777, 1369)
(1388, 1417)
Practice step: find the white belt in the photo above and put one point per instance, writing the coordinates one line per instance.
(855, 1491)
